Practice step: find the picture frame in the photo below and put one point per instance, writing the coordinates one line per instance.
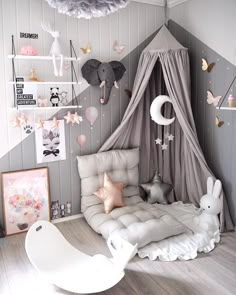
(50, 142)
(26, 199)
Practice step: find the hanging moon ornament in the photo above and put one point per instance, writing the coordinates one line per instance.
(155, 110)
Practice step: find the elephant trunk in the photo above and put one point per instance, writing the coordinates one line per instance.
(107, 94)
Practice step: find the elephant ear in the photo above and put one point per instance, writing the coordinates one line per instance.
(118, 69)
(90, 71)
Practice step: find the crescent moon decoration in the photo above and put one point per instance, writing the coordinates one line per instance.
(155, 110)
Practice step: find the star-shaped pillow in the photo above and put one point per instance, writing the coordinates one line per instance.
(110, 194)
(157, 191)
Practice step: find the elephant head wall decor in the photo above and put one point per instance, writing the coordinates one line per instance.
(105, 74)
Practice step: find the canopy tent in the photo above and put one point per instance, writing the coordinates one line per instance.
(164, 68)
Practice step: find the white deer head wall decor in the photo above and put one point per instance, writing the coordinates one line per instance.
(55, 50)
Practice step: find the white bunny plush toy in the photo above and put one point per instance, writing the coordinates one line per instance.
(55, 50)
(210, 207)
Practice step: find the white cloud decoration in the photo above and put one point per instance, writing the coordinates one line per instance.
(87, 8)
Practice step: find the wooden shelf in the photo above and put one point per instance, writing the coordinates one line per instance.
(226, 108)
(44, 83)
(45, 108)
(40, 57)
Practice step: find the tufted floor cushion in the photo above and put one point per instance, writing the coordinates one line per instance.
(137, 222)
(120, 165)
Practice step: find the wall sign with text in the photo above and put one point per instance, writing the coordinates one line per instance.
(29, 35)
(26, 94)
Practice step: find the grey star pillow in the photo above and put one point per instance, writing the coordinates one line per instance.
(157, 191)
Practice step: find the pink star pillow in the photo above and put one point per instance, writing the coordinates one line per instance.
(110, 194)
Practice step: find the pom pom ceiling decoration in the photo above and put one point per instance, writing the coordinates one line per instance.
(87, 8)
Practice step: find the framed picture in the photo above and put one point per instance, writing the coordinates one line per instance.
(50, 142)
(25, 199)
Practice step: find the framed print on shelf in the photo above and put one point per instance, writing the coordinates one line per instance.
(26, 199)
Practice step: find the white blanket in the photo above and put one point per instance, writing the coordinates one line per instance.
(184, 246)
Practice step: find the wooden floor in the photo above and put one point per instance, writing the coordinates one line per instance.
(213, 273)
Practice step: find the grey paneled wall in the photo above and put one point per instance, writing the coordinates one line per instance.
(218, 144)
(134, 25)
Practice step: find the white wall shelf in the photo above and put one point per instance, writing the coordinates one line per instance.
(226, 108)
(45, 83)
(40, 57)
(45, 108)
(17, 84)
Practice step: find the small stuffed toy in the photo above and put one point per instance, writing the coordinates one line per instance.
(63, 210)
(55, 209)
(68, 207)
(54, 98)
(210, 207)
(156, 190)
(28, 50)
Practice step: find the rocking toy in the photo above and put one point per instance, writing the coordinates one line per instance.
(66, 267)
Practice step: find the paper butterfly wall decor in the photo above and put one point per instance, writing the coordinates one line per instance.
(42, 101)
(207, 67)
(118, 48)
(218, 122)
(211, 99)
(86, 49)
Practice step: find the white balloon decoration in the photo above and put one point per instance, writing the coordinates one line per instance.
(155, 110)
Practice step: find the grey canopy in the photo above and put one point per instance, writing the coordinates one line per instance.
(164, 69)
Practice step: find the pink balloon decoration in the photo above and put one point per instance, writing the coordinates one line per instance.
(81, 139)
(91, 114)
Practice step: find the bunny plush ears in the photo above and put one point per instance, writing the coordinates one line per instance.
(214, 189)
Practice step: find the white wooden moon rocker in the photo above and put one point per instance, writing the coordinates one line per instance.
(155, 110)
(62, 265)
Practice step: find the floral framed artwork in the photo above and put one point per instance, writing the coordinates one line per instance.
(26, 199)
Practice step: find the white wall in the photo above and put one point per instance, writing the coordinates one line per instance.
(130, 26)
(211, 21)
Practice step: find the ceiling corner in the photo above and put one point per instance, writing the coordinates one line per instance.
(172, 3)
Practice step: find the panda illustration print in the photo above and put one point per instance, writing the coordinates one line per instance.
(54, 98)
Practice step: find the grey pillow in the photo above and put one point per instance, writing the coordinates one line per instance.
(156, 190)
(120, 165)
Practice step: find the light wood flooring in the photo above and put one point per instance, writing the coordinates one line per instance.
(213, 273)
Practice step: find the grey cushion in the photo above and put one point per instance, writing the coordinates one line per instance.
(137, 222)
(157, 191)
(120, 165)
